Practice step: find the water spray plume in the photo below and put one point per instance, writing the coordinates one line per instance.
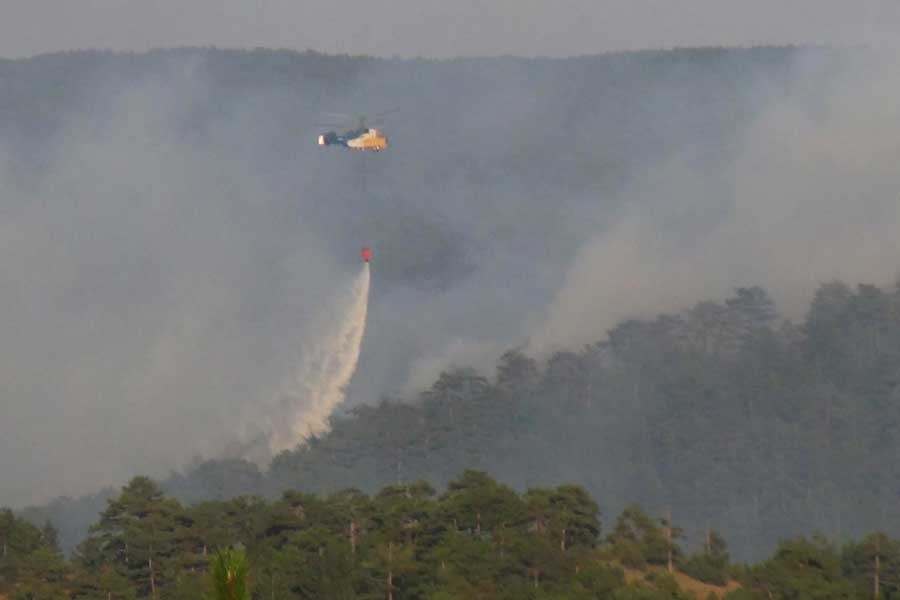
(305, 403)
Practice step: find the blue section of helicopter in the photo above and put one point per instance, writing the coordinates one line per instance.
(333, 139)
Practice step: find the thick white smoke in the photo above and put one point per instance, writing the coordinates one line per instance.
(302, 407)
(809, 196)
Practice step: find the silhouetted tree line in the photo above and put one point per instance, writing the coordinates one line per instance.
(477, 539)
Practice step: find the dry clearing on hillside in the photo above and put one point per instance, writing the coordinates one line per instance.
(697, 588)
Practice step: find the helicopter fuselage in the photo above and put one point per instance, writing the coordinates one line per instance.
(357, 139)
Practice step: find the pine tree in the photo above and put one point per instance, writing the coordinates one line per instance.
(228, 573)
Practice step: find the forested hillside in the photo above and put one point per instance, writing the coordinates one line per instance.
(169, 225)
(723, 416)
(477, 539)
(172, 208)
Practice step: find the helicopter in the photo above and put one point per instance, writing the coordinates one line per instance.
(362, 137)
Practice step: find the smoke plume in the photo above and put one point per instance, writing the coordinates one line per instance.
(170, 231)
(807, 194)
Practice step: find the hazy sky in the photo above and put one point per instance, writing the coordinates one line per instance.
(440, 27)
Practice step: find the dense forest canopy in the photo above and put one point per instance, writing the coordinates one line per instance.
(476, 539)
(170, 229)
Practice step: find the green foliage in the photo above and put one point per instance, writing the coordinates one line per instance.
(144, 536)
(666, 586)
(764, 419)
(876, 555)
(599, 579)
(802, 568)
(475, 503)
(706, 569)
(228, 575)
(567, 513)
(702, 406)
(477, 539)
(638, 540)
(31, 566)
(712, 564)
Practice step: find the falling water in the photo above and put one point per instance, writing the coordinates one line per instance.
(302, 407)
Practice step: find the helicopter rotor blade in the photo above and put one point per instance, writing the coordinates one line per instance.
(339, 115)
(359, 121)
(386, 112)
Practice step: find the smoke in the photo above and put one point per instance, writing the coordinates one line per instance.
(808, 194)
(149, 274)
(303, 407)
(458, 353)
(170, 232)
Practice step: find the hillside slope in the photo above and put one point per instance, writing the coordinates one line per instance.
(173, 227)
